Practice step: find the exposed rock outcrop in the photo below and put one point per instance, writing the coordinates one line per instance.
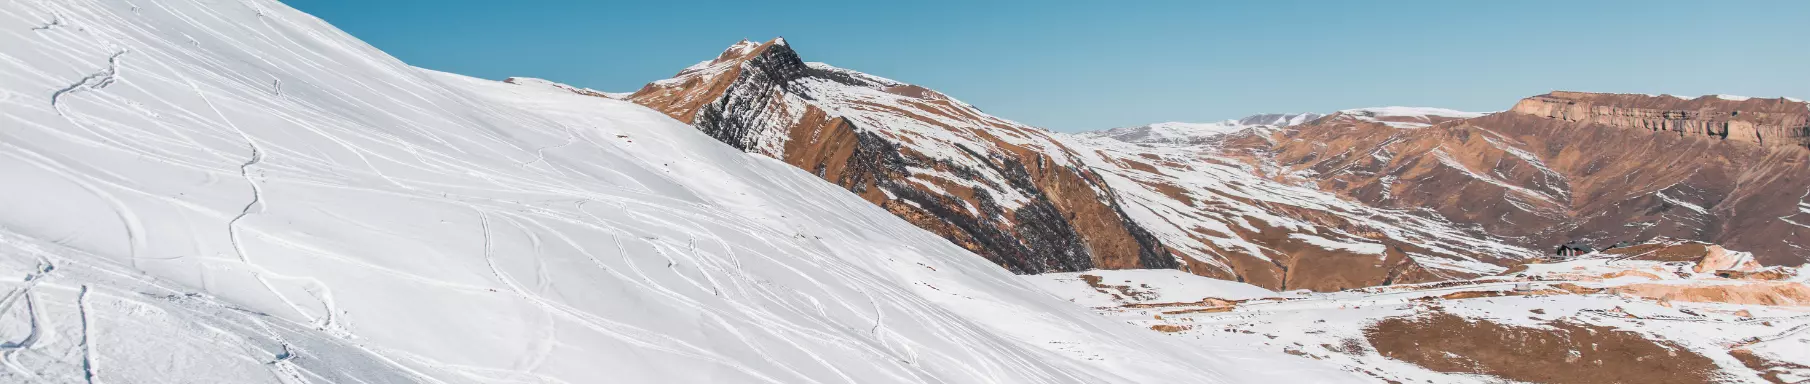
(1001, 189)
(1034, 201)
(1761, 121)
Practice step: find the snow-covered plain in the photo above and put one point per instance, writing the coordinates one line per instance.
(201, 191)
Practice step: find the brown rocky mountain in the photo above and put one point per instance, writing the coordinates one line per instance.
(1004, 190)
(1035, 201)
(1761, 121)
(1598, 168)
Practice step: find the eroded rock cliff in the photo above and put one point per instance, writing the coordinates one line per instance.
(1761, 121)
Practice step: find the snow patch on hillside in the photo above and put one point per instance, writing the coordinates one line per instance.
(1181, 132)
(1353, 247)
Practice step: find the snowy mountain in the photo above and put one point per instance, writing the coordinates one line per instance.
(1035, 201)
(1569, 166)
(238, 192)
(1406, 117)
(1009, 192)
(1261, 204)
(1280, 119)
(1226, 220)
(1179, 132)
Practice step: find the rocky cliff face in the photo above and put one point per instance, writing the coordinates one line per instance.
(1035, 201)
(1001, 189)
(1760, 121)
(1572, 166)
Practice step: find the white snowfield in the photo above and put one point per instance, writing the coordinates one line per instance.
(201, 191)
(1143, 286)
(1183, 133)
(1407, 117)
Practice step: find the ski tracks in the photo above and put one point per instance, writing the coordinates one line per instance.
(90, 358)
(328, 321)
(94, 81)
(623, 332)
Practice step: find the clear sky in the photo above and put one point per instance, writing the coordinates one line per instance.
(1073, 66)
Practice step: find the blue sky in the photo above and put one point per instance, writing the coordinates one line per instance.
(1073, 66)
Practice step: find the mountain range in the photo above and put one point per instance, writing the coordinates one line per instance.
(1412, 194)
(240, 192)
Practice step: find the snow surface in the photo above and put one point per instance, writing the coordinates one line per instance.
(238, 192)
(562, 86)
(1180, 132)
(1419, 116)
(1151, 286)
(1413, 112)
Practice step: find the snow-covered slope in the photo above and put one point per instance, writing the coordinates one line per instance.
(1226, 220)
(1179, 132)
(1407, 117)
(534, 82)
(237, 192)
(1111, 288)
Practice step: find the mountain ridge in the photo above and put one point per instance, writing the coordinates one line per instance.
(956, 171)
(765, 99)
(1547, 176)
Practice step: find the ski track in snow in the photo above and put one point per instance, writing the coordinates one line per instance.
(90, 363)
